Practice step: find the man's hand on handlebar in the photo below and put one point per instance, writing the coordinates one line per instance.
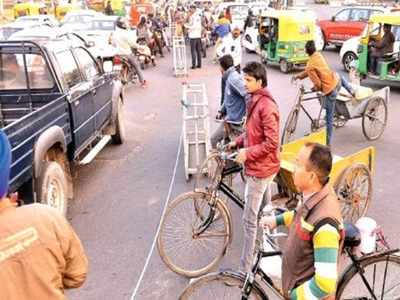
(241, 157)
(231, 145)
(268, 222)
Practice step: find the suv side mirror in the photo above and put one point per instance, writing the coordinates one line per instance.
(333, 19)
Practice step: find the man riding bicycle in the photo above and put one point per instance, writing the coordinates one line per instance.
(124, 41)
(233, 101)
(310, 257)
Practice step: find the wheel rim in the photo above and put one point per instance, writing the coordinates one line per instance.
(374, 119)
(284, 66)
(348, 59)
(55, 195)
(384, 288)
(179, 245)
(354, 191)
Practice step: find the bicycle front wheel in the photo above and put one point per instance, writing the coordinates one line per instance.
(382, 275)
(225, 285)
(290, 126)
(183, 246)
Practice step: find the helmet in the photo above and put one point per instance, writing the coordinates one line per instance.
(121, 23)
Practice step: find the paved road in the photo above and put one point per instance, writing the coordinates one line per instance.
(120, 197)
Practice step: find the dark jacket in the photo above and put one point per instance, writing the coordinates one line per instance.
(298, 255)
(385, 45)
(261, 138)
(234, 96)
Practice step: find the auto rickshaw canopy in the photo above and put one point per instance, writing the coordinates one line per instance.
(28, 9)
(389, 18)
(292, 25)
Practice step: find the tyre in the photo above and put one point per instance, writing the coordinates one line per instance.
(374, 118)
(382, 274)
(183, 250)
(124, 74)
(285, 66)
(348, 59)
(52, 186)
(354, 190)
(119, 136)
(290, 126)
(224, 285)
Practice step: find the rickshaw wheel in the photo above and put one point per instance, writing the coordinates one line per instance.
(374, 118)
(285, 66)
(354, 191)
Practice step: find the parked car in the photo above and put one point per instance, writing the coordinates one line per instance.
(58, 109)
(347, 23)
(258, 7)
(39, 19)
(9, 29)
(349, 51)
(79, 19)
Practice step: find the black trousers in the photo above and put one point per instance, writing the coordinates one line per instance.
(195, 51)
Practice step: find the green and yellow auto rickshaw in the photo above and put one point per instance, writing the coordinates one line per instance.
(29, 9)
(388, 65)
(283, 35)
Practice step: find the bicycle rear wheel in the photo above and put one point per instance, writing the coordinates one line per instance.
(182, 250)
(382, 274)
(224, 285)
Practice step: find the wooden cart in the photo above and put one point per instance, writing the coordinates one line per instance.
(351, 176)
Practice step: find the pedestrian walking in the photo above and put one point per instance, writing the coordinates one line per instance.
(259, 152)
(194, 31)
(40, 254)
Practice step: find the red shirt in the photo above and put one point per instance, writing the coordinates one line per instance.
(261, 138)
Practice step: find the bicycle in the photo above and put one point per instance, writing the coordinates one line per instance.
(235, 285)
(203, 219)
(372, 109)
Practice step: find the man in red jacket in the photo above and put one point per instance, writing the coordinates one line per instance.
(259, 152)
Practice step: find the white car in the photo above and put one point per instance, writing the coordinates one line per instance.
(349, 51)
(39, 19)
(80, 19)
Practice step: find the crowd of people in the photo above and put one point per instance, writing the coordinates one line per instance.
(250, 124)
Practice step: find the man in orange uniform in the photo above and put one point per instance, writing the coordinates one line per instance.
(40, 254)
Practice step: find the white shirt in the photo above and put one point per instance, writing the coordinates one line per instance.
(124, 41)
(194, 27)
(231, 46)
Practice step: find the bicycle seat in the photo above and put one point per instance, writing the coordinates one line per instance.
(352, 236)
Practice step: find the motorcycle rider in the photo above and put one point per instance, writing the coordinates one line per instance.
(155, 25)
(124, 41)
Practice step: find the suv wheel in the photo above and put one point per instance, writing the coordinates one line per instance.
(52, 186)
(119, 136)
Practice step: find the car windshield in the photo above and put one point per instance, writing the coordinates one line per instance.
(239, 10)
(27, 19)
(13, 76)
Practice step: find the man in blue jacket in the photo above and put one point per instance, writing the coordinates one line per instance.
(233, 100)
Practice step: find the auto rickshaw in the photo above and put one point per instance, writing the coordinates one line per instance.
(388, 65)
(64, 7)
(283, 35)
(29, 9)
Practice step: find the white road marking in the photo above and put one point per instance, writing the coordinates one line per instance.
(162, 216)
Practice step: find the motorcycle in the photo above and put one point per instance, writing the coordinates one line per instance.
(144, 54)
(162, 37)
(125, 70)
